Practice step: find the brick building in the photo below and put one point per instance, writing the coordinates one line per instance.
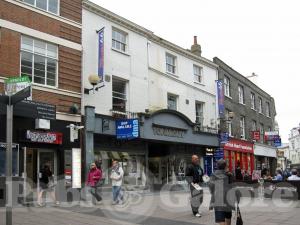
(41, 39)
(253, 110)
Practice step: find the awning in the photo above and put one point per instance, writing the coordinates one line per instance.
(265, 150)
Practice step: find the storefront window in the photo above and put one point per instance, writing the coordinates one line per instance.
(15, 160)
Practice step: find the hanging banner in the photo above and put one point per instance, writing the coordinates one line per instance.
(76, 168)
(220, 92)
(101, 54)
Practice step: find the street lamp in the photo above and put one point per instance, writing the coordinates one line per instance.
(94, 80)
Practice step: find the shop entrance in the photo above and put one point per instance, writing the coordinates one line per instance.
(34, 161)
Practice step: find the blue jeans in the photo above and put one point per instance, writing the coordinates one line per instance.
(117, 193)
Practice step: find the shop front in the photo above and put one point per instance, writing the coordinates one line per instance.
(265, 157)
(153, 149)
(239, 152)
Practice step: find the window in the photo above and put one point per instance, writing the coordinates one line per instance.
(229, 123)
(47, 5)
(172, 101)
(119, 95)
(259, 105)
(262, 131)
(268, 109)
(242, 126)
(226, 86)
(119, 40)
(199, 113)
(39, 61)
(253, 125)
(241, 94)
(170, 63)
(198, 74)
(253, 106)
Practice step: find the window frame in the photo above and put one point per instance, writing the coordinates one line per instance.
(260, 105)
(253, 102)
(227, 92)
(172, 66)
(176, 101)
(229, 122)
(198, 77)
(125, 99)
(199, 118)
(262, 131)
(268, 113)
(46, 56)
(241, 94)
(125, 44)
(254, 125)
(243, 127)
(47, 10)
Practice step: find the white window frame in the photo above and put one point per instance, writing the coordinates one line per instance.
(229, 123)
(254, 125)
(172, 66)
(198, 77)
(252, 97)
(120, 95)
(227, 86)
(262, 131)
(169, 95)
(241, 95)
(199, 113)
(242, 127)
(45, 56)
(125, 44)
(47, 10)
(260, 104)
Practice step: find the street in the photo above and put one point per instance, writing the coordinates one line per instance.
(154, 208)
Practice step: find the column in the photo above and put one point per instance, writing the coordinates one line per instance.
(89, 136)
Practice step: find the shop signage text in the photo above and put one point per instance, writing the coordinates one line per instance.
(238, 145)
(127, 129)
(168, 131)
(256, 135)
(44, 137)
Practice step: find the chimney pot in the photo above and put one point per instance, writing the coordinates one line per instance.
(195, 40)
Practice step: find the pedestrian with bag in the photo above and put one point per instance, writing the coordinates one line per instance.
(94, 176)
(222, 199)
(194, 177)
(116, 176)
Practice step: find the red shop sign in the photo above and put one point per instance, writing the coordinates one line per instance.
(256, 135)
(239, 145)
(44, 137)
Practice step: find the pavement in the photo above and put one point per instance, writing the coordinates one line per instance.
(163, 208)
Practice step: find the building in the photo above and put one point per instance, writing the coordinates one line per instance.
(247, 108)
(168, 91)
(283, 160)
(42, 40)
(294, 147)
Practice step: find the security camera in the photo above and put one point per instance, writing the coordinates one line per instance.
(70, 126)
(79, 127)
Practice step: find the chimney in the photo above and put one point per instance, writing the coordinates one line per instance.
(195, 48)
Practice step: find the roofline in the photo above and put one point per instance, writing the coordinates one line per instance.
(92, 7)
(239, 74)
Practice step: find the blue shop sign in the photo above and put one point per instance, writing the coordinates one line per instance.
(127, 128)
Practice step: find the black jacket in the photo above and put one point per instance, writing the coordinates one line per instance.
(194, 174)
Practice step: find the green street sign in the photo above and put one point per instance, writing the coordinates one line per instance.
(13, 80)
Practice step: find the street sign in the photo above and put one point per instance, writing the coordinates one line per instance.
(20, 95)
(277, 142)
(16, 84)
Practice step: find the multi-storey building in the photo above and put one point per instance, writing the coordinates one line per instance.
(41, 39)
(294, 147)
(248, 108)
(168, 89)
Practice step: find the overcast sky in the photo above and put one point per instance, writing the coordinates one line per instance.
(261, 36)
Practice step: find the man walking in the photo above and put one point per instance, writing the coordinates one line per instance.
(194, 176)
(116, 176)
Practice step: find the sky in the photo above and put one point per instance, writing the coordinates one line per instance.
(250, 36)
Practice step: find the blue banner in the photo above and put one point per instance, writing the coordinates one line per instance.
(127, 129)
(224, 138)
(277, 142)
(220, 92)
(208, 165)
(101, 54)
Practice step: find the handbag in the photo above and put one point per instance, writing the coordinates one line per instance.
(239, 220)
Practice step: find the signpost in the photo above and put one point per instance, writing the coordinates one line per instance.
(14, 94)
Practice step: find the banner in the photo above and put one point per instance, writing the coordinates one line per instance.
(127, 128)
(76, 168)
(101, 54)
(220, 92)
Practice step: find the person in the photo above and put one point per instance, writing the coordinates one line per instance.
(278, 176)
(267, 176)
(116, 176)
(46, 185)
(286, 174)
(94, 176)
(238, 172)
(194, 176)
(294, 175)
(222, 200)
(246, 176)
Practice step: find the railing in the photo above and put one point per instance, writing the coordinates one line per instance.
(206, 129)
(124, 115)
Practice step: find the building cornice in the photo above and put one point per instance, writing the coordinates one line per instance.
(92, 7)
(45, 13)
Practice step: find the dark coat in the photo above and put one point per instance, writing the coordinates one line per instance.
(194, 174)
(222, 196)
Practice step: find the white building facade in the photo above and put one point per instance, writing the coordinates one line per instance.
(294, 146)
(170, 90)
